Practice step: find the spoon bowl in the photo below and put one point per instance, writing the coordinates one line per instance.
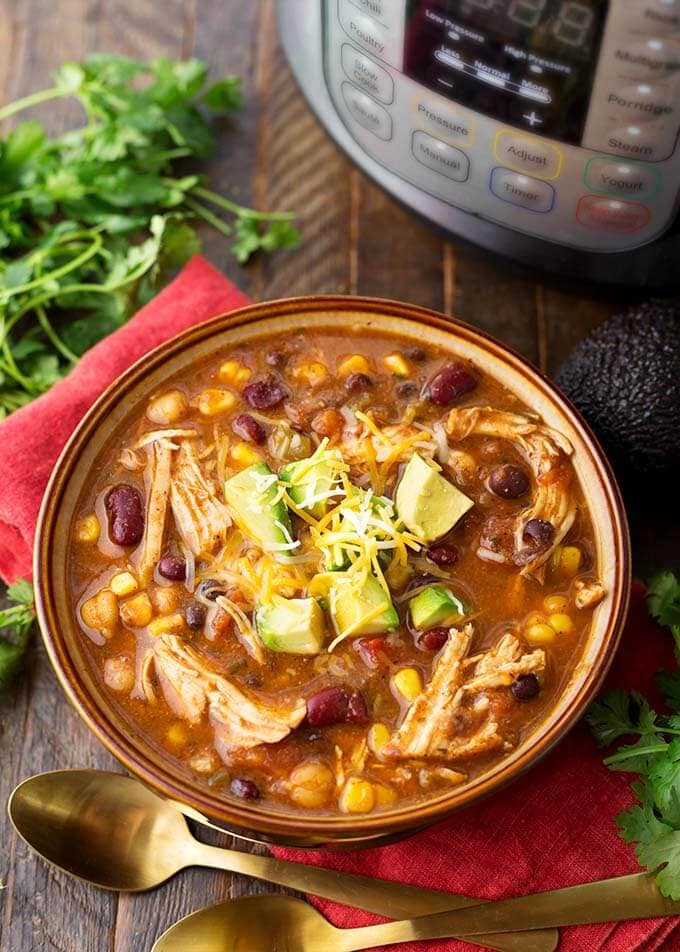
(105, 828)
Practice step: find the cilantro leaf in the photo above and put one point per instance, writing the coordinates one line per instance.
(619, 713)
(16, 623)
(663, 851)
(224, 95)
(663, 601)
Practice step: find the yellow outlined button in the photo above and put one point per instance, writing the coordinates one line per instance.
(527, 154)
(446, 120)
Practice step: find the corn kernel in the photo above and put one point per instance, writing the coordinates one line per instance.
(167, 407)
(540, 634)
(561, 622)
(397, 575)
(397, 364)
(570, 560)
(311, 373)
(136, 612)
(378, 737)
(100, 611)
(88, 529)
(555, 603)
(124, 583)
(234, 373)
(408, 682)
(243, 454)
(534, 618)
(166, 624)
(356, 364)
(311, 784)
(176, 734)
(357, 796)
(165, 599)
(211, 402)
(384, 796)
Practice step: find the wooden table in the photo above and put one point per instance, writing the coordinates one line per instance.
(355, 240)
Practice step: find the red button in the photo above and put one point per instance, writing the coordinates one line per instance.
(612, 214)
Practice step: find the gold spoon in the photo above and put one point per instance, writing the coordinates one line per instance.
(290, 925)
(113, 832)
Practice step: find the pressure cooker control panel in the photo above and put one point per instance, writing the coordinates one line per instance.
(557, 118)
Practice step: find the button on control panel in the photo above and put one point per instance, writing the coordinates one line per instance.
(611, 177)
(528, 154)
(522, 190)
(368, 75)
(612, 215)
(367, 112)
(440, 156)
(444, 119)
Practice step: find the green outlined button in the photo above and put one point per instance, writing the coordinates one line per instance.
(621, 177)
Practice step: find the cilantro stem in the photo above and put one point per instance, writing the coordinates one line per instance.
(241, 211)
(53, 337)
(72, 265)
(28, 101)
(208, 216)
(624, 755)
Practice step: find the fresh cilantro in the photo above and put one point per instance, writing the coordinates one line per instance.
(95, 221)
(16, 623)
(653, 822)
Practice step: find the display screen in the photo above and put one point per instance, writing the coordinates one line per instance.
(529, 63)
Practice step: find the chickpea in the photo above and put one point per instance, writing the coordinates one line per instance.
(311, 783)
(119, 674)
(101, 612)
(165, 599)
(167, 408)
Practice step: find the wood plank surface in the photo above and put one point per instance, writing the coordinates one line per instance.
(355, 240)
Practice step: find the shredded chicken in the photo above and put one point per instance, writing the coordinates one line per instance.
(588, 593)
(546, 452)
(201, 517)
(431, 729)
(158, 489)
(240, 721)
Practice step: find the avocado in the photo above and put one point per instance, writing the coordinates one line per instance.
(435, 606)
(625, 379)
(427, 503)
(349, 605)
(252, 495)
(293, 625)
(307, 481)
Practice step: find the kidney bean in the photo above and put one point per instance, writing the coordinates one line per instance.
(374, 652)
(244, 788)
(442, 555)
(450, 383)
(125, 512)
(357, 711)
(248, 428)
(406, 388)
(508, 482)
(264, 394)
(525, 687)
(210, 588)
(423, 578)
(539, 533)
(433, 640)
(356, 382)
(172, 567)
(195, 616)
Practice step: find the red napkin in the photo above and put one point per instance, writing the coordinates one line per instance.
(553, 827)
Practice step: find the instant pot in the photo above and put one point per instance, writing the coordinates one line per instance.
(546, 130)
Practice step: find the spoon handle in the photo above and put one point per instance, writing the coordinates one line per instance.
(391, 899)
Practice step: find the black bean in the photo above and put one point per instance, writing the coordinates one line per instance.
(418, 354)
(508, 482)
(264, 394)
(172, 567)
(406, 388)
(420, 580)
(125, 511)
(210, 588)
(433, 640)
(357, 382)
(442, 555)
(245, 789)
(195, 616)
(539, 533)
(276, 358)
(450, 383)
(248, 428)
(525, 687)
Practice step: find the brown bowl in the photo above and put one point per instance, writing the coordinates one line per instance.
(63, 638)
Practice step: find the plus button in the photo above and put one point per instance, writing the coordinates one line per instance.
(533, 119)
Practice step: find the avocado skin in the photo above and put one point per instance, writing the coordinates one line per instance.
(625, 379)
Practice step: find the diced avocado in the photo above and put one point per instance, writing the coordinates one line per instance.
(435, 606)
(349, 607)
(309, 483)
(293, 625)
(252, 494)
(427, 503)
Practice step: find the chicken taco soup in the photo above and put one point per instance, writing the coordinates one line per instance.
(334, 573)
